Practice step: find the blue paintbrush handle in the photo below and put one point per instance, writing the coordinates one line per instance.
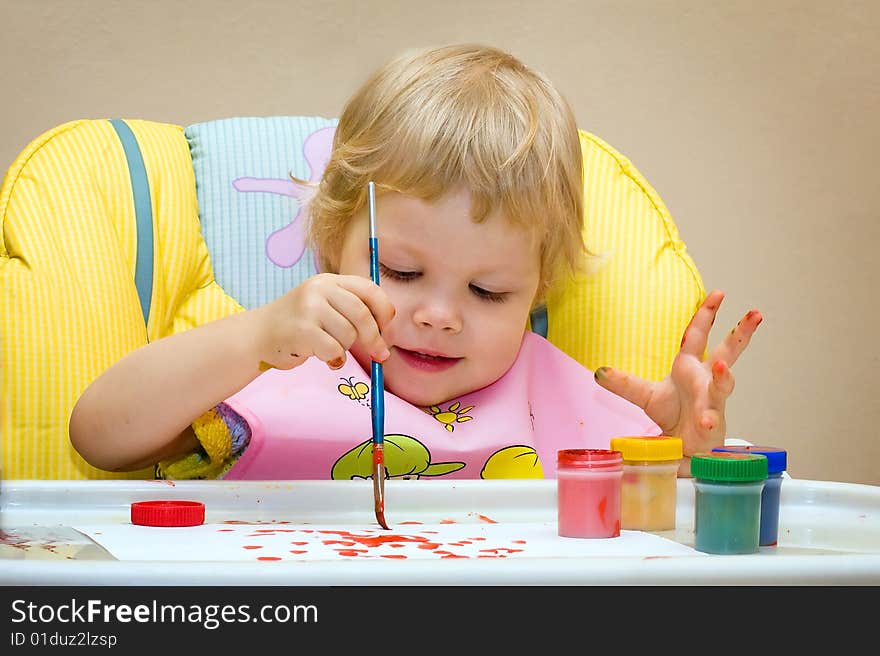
(377, 386)
(377, 391)
(374, 260)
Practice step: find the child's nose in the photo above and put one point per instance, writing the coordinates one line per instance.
(438, 314)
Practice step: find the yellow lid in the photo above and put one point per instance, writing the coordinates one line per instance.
(648, 447)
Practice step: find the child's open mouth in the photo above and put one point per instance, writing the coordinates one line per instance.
(425, 361)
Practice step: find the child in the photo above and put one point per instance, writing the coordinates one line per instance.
(478, 171)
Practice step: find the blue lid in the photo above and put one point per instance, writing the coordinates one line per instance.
(776, 457)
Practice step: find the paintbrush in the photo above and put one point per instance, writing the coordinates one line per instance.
(377, 384)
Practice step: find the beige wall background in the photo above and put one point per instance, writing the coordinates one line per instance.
(758, 123)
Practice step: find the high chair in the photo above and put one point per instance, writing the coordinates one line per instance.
(120, 232)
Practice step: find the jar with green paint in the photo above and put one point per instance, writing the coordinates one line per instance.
(727, 501)
(776, 464)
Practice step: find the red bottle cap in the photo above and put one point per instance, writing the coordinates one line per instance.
(168, 513)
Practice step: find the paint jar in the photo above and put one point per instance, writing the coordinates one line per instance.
(776, 464)
(727, 501)
(588, 492)
(650, 479)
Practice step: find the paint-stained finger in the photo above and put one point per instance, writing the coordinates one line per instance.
(325, 347)
(632, 388)
(721, 385)
(738, 339)
(696, 335)
(712, 421)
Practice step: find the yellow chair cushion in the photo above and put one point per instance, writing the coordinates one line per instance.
(632, 312)
(68, 304)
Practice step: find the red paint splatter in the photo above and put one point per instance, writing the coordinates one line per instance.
(483, 518)
(225, 530)
(404, 523)
(28, 544)
(268, 558)
(344, 543)
(10, 540)
(360, 543)
(380, 539)
(447, 521)
(259, 521)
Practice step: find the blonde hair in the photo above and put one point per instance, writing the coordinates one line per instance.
(460, 115)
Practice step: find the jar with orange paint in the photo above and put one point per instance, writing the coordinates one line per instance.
(650, 481)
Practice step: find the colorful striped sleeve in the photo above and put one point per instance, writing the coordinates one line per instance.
(223, 436)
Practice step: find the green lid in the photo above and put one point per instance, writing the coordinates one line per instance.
(729, 466)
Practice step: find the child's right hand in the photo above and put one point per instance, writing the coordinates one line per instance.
(324, 316)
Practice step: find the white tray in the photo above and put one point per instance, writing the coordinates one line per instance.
(829, 534)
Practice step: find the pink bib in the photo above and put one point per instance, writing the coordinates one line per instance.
(314, 423)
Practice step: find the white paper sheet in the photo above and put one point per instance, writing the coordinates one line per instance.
(307, 542)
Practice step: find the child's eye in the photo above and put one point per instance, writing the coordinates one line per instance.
(393, 274)
(495, 297)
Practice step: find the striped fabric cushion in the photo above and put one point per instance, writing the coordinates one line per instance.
(632, 313)
(251, 211)
(68, 303)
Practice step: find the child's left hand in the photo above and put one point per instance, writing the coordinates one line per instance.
(689, 402)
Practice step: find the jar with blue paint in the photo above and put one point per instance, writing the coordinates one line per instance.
(776, 465)
(727, 501)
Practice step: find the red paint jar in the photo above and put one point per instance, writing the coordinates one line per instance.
(588, 483)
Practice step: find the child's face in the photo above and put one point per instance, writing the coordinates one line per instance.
(462, 291)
